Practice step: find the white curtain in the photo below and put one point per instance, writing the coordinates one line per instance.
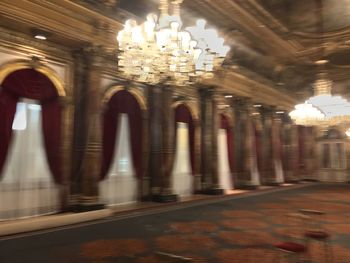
(225, 179)
(120, 185)
(27, 187)
(182, 179)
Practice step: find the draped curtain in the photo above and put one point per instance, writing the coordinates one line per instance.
(30, 131)
(31, 84)
(122, 102)
(183, 114)
(224, 124)
(8, 104)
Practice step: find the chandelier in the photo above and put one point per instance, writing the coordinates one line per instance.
(159, 50)
(306, 114)
(347, 132)
(334, 109)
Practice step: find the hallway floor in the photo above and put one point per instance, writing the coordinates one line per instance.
(240, 228)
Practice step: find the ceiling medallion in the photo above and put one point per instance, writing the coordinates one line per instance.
(159, 50)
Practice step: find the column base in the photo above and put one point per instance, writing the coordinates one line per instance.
(292, 181)
(212, 191)
(247, 186)
(78, 208)
(165, 198)
(272, 183)
(309, 180)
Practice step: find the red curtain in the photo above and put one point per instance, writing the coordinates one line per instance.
(183, 114)
(122, 102)
(8, 104)
(29, 83)
(225, 124)
(51, 119)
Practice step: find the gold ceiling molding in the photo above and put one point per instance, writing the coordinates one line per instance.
(236, 14)
(80, 25)
(244, 86)
(12, 66)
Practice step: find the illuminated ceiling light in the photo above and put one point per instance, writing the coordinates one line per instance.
(279, 112)
(40, 36)
(228, 96)
(348, 132)
(336, 109)
(257, 105)
(306, 114)
(159, 50)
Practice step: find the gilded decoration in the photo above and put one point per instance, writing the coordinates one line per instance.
(12, 66)
(113, 89)
(190, 105)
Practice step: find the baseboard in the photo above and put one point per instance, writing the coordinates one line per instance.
(164, 198)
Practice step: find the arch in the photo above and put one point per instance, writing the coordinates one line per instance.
(13, 66)
(119, 100)
(29, 83)
(191, 107)
(114, 88)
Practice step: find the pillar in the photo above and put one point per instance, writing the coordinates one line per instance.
(209, 133)
(267, 167)
(288, 153)
(161, 143)
(90, 139)
(241, 175)
(251, 161)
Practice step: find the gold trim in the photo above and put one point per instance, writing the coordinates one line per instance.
(12, 66)
(109, 93)
(190, 106)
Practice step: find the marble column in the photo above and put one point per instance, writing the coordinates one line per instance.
(277, 147)
(251, 161)
(161, 143)
(197, 156)
(295, 153)
(267, 167)
(209, 133)
(91, 159)
(288, 154)
(241, 175)
(310, 154)
(80, 125)
(66, 149)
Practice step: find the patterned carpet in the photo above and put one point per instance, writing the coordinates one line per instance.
(238, 230)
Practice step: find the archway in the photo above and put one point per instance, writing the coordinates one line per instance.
(225, 153)
(184, 162)
(30, 148)
(122, 149)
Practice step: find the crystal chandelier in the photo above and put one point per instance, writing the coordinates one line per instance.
(348, 132)
(159, 51)
(335, 109)
(306, 114)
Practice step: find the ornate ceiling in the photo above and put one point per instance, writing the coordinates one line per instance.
(279, 40)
